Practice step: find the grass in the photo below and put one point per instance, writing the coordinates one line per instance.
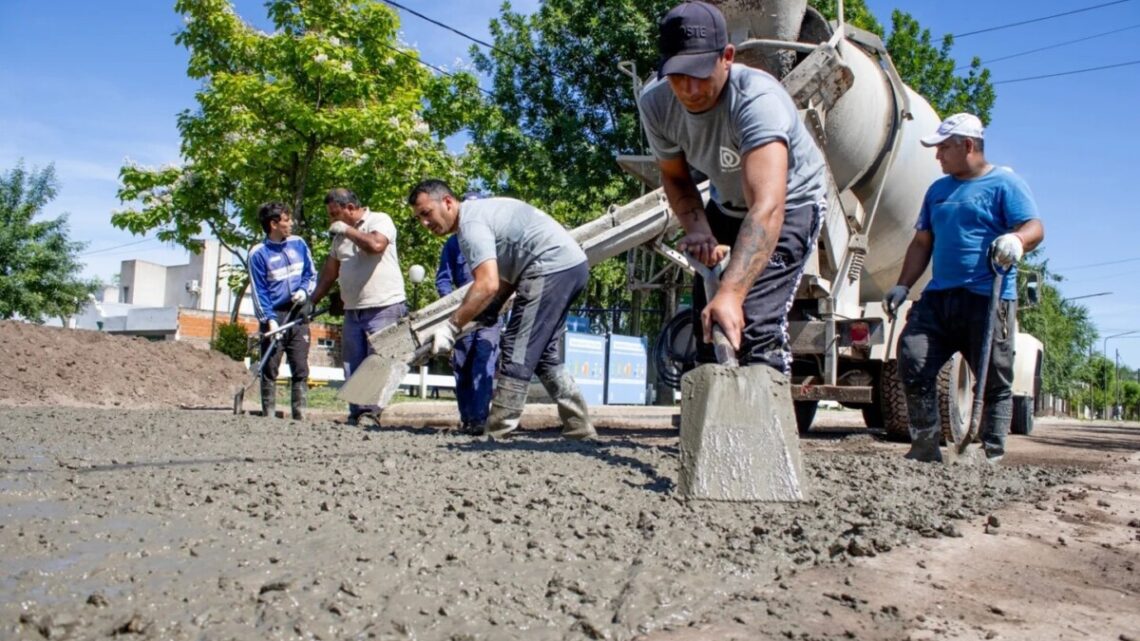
(323, 397)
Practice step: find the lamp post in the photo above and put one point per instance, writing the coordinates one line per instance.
(416, 275)
(1104, 353)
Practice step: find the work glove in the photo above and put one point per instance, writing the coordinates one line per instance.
(338, 227)
(443, 339)
(299, 297)
(1007, 249)
(272, 326)
(895, 298)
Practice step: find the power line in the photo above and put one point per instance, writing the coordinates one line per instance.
(113, 247)
(429, 65)
(1091, 265)
(1066, 73)
(445, 26)
(1052, 46)
(1032, 20)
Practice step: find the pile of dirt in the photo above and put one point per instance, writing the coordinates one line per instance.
(53, 366)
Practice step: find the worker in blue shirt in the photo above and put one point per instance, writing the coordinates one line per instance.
(475, 355)
(282, 277)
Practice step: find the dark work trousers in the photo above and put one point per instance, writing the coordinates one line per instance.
(954, 320)
(474, 360)
(532, 339)
(294, 343)
(765, 336)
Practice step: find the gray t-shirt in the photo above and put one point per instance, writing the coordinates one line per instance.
(753, 110)
(524, 240)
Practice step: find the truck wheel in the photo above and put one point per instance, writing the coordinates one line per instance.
(1022, 415)
(892, 403)
(872, 415)
(805, 414)
(955, 397)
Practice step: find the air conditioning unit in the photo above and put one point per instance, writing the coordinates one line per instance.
(193, 287)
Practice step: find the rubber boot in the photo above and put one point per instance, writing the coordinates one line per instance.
(299, 399)
(572, 408)
(268, 398)
(924, 446)
(506, 407)
(922, 409)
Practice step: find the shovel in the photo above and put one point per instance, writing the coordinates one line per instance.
(739, 440)
(274, 342)
(963, 440)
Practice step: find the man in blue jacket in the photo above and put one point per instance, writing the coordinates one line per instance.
(474, 357)
(282, 277)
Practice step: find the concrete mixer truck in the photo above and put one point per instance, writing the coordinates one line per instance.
(868, 124)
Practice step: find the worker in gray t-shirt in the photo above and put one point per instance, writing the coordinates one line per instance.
(512, 247)
(738, 126)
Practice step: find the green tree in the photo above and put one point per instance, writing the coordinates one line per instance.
(1064, 327)
(328, 99)
(930, 70)
(39, 264)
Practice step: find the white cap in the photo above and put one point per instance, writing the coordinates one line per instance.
(962, 124)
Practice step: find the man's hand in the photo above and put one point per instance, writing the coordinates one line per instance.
(443, 339)
(338, 227)
(703, 247)
(299, 297)
(272, 326)
(1007, 249)
(894, 298)
(727, 313)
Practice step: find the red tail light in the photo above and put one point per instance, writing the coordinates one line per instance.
(860, 334)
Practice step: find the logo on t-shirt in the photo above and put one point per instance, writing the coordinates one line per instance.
(729, 159)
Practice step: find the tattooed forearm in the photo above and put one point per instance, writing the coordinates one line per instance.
(753, 248)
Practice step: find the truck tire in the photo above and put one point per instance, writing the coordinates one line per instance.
(892, 403)
(955, 397)
(1022, 415)
(805, 414)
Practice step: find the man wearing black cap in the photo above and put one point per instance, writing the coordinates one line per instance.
(738, 126)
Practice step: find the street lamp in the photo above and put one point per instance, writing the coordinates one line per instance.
(1104, 353)
(416, 275)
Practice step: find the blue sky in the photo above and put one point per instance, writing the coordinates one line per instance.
(89, 84)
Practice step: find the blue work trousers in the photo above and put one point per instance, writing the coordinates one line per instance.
(473, 360)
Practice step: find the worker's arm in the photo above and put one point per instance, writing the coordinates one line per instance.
(765, 176)
(259, 283)
(685, 201)
(484, 288)
(917, 258)
(329, 272)
(1031, 233)
(369, 242)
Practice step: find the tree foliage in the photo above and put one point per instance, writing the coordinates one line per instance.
(232, 340)
(329, 99)
(1063, 326)
(39, 264)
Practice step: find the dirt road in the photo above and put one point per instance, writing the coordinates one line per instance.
(174, 524)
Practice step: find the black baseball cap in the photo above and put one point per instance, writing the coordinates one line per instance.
(692, 36)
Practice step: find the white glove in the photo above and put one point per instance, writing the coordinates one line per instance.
(895, 298)
(299, 296)
(1007, 249)
(443, 339)
(338, 227)
(272, 326)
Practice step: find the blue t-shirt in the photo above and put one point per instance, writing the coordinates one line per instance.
(965, 216)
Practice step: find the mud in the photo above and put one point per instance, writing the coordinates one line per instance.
(204, 525)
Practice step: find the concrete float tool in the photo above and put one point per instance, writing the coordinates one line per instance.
(274, 342)
(379, 376)
(739, 440)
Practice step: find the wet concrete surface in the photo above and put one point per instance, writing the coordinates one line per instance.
(204, 525)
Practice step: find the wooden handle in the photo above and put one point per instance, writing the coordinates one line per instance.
(725, 353)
